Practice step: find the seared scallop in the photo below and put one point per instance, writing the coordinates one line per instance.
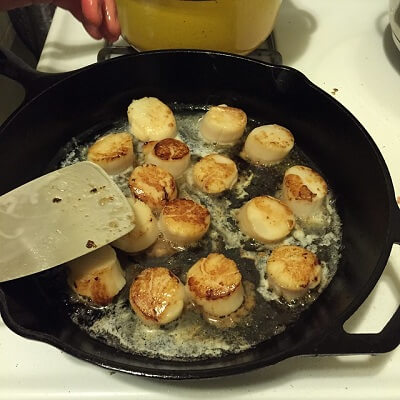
(292, 271)
(266, 219)
(145, 232)
(157, 296)
(304, 191)
(215, 173)
(170, 154)
(151, 119)
(183, 221)
(97, 275)
(268, 144)
(223, 124)
(113, 152)
(215, 284)
(153, 185)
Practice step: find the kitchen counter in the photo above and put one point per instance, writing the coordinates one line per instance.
(345, 47)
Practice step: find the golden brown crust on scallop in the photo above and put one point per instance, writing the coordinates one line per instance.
(123, 146)
(295, 267)
(151, 291)
(297, 189)
(170, 149)
(270, 139)
(184, 211)
(95, 286)
(214, 277)
(211, 175)
(267, 208)
(152, 185)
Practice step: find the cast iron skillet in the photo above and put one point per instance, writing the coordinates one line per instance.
(59, 107)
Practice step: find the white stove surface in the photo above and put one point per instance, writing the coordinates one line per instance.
(345, 47)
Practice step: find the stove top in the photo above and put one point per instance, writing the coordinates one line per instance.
(355, 61)
(265, 52)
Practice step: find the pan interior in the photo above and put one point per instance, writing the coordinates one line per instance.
(191, 337)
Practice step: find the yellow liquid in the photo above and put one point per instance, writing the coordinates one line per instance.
(235, 26)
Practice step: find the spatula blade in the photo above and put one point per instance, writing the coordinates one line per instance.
(58, 217)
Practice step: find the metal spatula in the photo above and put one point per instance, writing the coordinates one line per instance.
(58, 217)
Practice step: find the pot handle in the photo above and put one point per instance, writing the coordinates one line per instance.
(339, 341)
(33, 81)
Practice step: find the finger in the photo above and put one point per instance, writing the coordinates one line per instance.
(107, 35)
(93, 31)
(92, 12)
(74, 7)
(111, 25)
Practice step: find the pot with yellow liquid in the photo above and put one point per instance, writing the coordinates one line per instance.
(234, 26)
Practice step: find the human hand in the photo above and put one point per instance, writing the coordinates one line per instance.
(99, 17)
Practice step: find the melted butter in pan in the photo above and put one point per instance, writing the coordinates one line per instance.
(263, 314)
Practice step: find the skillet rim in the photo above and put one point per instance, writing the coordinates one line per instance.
(357, 301)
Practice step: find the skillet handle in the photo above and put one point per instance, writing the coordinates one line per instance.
(33, 81)
(339, 342)
(396, 224)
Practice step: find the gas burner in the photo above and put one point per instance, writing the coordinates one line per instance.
(265, 52)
